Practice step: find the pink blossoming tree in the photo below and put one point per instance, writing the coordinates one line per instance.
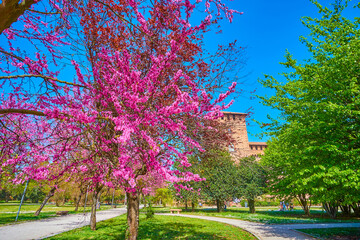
(139, 98)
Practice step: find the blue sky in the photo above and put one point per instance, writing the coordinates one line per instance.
(266, 29)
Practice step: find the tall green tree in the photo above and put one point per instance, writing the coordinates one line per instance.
(252, 178)
(287, 169)
(222, 179)
(163, 196)
(318, 130)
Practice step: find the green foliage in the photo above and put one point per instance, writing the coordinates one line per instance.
(149, 212)
(222, 178)
(163, 196)
(316, 144)
(253, 177)
(266, 204)
(36, 194)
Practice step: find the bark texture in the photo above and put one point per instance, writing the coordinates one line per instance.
(77, 202)
(331, 209)
(11, 10)
(81, 194)
(95, 199)
(346, 210)
(133, 200)
(356, 208)
(219, 205)
(304, 204)
(48, 196)
(251, 205)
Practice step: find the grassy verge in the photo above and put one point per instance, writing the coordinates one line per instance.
(8, 212)
(268, 215)
(333, 233)
(159, 227)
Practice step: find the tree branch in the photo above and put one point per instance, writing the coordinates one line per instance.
(41, 76)
(11, 10)
(22, 111)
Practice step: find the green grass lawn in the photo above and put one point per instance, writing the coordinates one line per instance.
(8, 211)
(269, 215)
(159, 227)
(333, 233)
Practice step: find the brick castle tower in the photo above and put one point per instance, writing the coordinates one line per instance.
(236, 123)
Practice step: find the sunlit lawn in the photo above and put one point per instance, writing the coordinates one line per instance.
(333, 233)
(8, 211)
(159, 227)
(269, 215)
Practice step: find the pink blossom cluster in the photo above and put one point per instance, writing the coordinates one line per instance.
(124, 120)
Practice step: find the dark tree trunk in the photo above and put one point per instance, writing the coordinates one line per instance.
(95, 199)
(304, 204)
(251, 205)
(192, 206)
(186, 204)
(133, 200)
(331, 209)
(77, 203)
(356, 208)
(345, 209)
(219, 205)
(48, 196)
(6, 196)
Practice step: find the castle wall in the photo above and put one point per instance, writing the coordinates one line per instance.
(236, 123)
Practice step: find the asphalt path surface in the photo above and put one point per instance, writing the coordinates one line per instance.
(51, 226)
(272, 232)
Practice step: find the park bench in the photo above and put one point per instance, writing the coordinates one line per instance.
(175, 210)
(62, 213)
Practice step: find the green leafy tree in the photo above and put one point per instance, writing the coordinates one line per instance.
(190, 194)
(163, 196)
(320, 110)
(252, 180)
(222, 179)
(36, 194)
(287, 174)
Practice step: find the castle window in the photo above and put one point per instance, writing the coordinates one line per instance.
(231, 148)
(233, 116)
(228, 117)
(256, 147)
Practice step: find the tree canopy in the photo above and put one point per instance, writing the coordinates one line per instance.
(316, 143)
(137, 90)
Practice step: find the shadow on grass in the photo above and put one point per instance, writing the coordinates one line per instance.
(159, 227)
(271, 216)
(150, 230)
(334, 233)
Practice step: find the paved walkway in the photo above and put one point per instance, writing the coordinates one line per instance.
(51, 226)
(272, 232)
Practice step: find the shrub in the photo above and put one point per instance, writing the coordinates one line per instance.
(149, 212)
